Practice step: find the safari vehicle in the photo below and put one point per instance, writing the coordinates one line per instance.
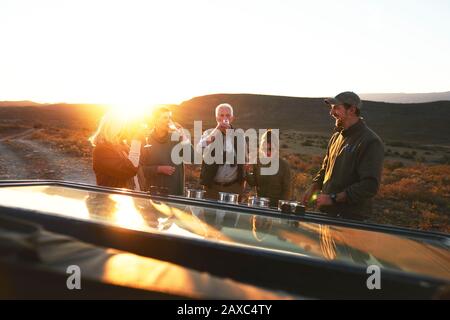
(127, 244)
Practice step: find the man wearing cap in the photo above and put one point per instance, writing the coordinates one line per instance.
(351, 170)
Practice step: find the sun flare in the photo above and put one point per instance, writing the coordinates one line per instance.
(131, 111)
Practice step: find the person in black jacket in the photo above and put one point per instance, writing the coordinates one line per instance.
(110, 155)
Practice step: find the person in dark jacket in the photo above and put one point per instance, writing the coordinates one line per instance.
(351, 170)
(158, 166)
(277, 186)
(110, 155)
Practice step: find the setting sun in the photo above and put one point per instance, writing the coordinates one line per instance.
(130, 110)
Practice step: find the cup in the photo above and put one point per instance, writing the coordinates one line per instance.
(261, 202)
(228, 197)
(172, 126)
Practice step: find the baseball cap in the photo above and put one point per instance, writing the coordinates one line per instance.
(346, 97)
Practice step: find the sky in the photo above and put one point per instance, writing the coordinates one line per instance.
(168, 51)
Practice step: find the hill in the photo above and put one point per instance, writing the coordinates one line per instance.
(19, 104)
(407, 97)
(421, 123)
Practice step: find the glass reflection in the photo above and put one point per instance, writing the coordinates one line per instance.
(261, 226)
(320, 241)
(145, 273)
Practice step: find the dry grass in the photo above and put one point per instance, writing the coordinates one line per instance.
(69, 141)
(416, 196)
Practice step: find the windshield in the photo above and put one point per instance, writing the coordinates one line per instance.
(412, 254)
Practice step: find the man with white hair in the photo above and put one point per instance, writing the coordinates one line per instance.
(225, 176)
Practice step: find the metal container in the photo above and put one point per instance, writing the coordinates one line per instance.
(258, 202)
(292, 207)
(195, 193)
(284, 206)
(228, 197)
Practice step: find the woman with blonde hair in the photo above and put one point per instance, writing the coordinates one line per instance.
(110, 155)
(277, 186)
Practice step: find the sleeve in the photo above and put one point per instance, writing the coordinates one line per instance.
(192, 151)
(112, 163)
(147, 170)
(150, 170)
(369, 168)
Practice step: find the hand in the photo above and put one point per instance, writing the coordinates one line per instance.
(222, 126)
(248, 167)
(166, 170)
(210, 139)
(308, 193)
(324, 200)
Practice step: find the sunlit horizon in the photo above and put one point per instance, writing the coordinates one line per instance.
(165, 52)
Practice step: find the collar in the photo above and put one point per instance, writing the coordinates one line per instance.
(358, 126)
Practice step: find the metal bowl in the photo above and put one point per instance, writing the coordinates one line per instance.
(195, 193)
(284, 206)
(258, 202)
(228, 197)
(292, 207)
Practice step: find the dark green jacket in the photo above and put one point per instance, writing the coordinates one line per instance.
(159, 154)
(276, 187)
(353, 164)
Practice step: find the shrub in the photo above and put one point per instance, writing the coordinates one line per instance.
(407, 155)
(392, 165)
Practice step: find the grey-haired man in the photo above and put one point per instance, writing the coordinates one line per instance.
(221, 177)
(351, 170)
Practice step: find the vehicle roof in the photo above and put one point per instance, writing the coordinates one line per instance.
(266, 231)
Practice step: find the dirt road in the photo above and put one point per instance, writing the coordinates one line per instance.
(23, 158)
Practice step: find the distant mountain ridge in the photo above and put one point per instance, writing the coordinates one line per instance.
(425, 123)
(24, 103)
(407, 97)
(422, 123)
